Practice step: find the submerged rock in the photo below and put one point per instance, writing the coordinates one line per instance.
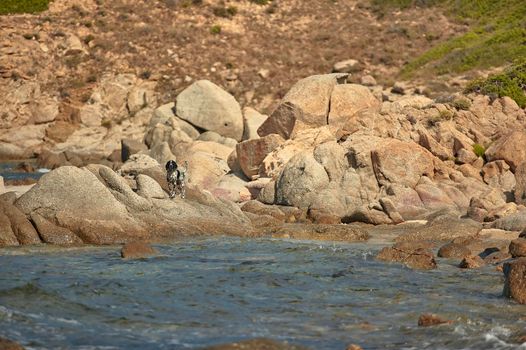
(344, 233)
(138, 250)
(426, 320)
(453, 250)
(471, 262)
(6, 344)
(256, 344)
(517, 248)
(412, 255)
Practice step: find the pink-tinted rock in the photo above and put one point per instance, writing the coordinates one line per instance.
(511, 148)
(251, 153)
(401, 162)
(427, 320)
(349, 100)
(497, 174)
(138, 250)
(306, 105)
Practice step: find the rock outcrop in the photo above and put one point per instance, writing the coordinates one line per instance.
(209, 107)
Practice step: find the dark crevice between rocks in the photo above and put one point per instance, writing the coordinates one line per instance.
(339, 80)
(328, 110)
(36, 229)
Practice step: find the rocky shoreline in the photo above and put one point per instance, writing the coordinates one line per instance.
(335, 161)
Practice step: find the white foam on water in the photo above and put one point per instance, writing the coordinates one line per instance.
(493, 335)
(6, 311)
(69, 321)
(459, 329)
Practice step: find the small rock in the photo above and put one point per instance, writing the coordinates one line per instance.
(368, 80)
(347, 66)
(353, 347)
(6, 344)
(399, 88)
(518, 248)
(496, 257)
(264, 73)
(138, 250)
(471, 262)
(322, 217)
(427, 320)
(453, 250)
(25, 167)
(259, 208)
(515, 280)
(410, 254)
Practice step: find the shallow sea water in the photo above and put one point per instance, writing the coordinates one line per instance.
(216, 290)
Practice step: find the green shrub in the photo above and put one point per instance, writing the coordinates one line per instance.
(226, 12)
(22, 6)
(495, 37)
(511, 83)
(461, 103)
(215, 29)
(261, 2)
(479, 150)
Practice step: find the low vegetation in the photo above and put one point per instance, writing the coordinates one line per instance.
(22, 6)
(511, 83)
(479, 150)
(496, 36)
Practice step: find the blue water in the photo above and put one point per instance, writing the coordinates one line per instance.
(217, 290)
(8, 171)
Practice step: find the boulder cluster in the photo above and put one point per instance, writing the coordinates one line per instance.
(331, 153)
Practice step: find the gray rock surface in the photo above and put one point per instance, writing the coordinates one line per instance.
(209, 107)
(299, 181)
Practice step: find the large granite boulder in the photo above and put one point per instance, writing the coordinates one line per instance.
(511, 148)
(349, 100)
(209, 107)
(77, 200)
(299, 181)
(401, 162)
(306, 105)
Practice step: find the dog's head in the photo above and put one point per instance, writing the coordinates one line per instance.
(171, 166)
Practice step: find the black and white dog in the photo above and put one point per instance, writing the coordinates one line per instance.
(176, 178)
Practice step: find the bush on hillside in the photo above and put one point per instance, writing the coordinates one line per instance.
(511, 83)
(22, 6)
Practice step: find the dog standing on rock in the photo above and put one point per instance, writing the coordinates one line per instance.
(176, 178)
